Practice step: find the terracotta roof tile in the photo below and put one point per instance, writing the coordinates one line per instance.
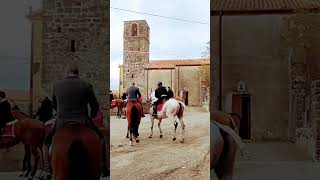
(171, 64)
(238, 6)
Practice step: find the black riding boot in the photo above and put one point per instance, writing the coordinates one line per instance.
(155, 110)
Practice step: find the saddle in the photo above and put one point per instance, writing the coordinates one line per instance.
(113, 103)
(160, 106)
(99, 119)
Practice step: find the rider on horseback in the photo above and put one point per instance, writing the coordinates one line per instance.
(71, 97)
(134, 94)
(5, 111)
(161, 93)
(45, 112)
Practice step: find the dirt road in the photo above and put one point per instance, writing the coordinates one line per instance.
(163, 158)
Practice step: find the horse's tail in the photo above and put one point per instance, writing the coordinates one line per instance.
(183, 105)
(78, 161)
(134, 120)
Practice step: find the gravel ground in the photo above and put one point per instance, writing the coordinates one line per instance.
(162, 158)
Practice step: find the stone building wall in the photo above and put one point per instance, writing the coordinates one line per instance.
(260, 66)
(77, 32)
(135, 54)
(166, 76)
(315, 114)
(189, 78)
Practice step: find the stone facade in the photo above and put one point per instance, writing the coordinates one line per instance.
(177, 74)
(76, 32)
(315, 114)
(282, 79)
(135, 53)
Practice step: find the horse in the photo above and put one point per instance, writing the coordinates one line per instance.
(119, 103)
(76, 153)
(31, 133)
(134, 111)
(171, 109)
(224, 143)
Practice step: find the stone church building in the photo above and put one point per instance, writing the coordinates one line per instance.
(179, 74)
(272, 84)
(70, 31)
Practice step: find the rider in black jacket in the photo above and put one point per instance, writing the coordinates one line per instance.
(161, 93)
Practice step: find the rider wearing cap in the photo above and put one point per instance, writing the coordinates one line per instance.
(161, 93)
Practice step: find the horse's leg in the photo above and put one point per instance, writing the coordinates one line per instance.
(25, 158)
(159, 125)
(152, 122)
(128, 132)
(36, 157)
(28, 161)
(183, 129)
(175, 126)
(131, 132)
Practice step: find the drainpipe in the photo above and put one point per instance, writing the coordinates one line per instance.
(220, 60)
(31, 68)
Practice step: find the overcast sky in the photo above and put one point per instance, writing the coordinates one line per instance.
(169, 39)
(15, 43)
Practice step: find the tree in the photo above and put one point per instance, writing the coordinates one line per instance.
(204, 71)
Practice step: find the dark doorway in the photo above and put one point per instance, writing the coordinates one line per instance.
(241, 105)
(186, 97)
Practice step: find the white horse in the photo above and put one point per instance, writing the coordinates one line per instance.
(173, 110)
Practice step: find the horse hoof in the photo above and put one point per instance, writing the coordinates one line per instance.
(160, 136)
(182, 140)
(21, 175)
(131, 144)
(150, 136)
(127, 136)
(174, 139)
(137, 141)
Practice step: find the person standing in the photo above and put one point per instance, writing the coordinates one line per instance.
(170, 93)
(5, 111)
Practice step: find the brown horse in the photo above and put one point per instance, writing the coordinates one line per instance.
(178, 98)
(224, 143)
(119, 103)
(31, 133)
(134, 111)
(76, 154)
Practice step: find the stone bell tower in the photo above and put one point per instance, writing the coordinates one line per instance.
(76, 31)
(135, 54)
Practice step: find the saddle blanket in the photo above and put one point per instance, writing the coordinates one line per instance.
(113, 104)
(8, 130)
(160, 106)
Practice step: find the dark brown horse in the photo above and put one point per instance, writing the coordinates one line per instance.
(31, 133)
(134, 111)
(119, 103)
(224, 143)
(76, 154)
